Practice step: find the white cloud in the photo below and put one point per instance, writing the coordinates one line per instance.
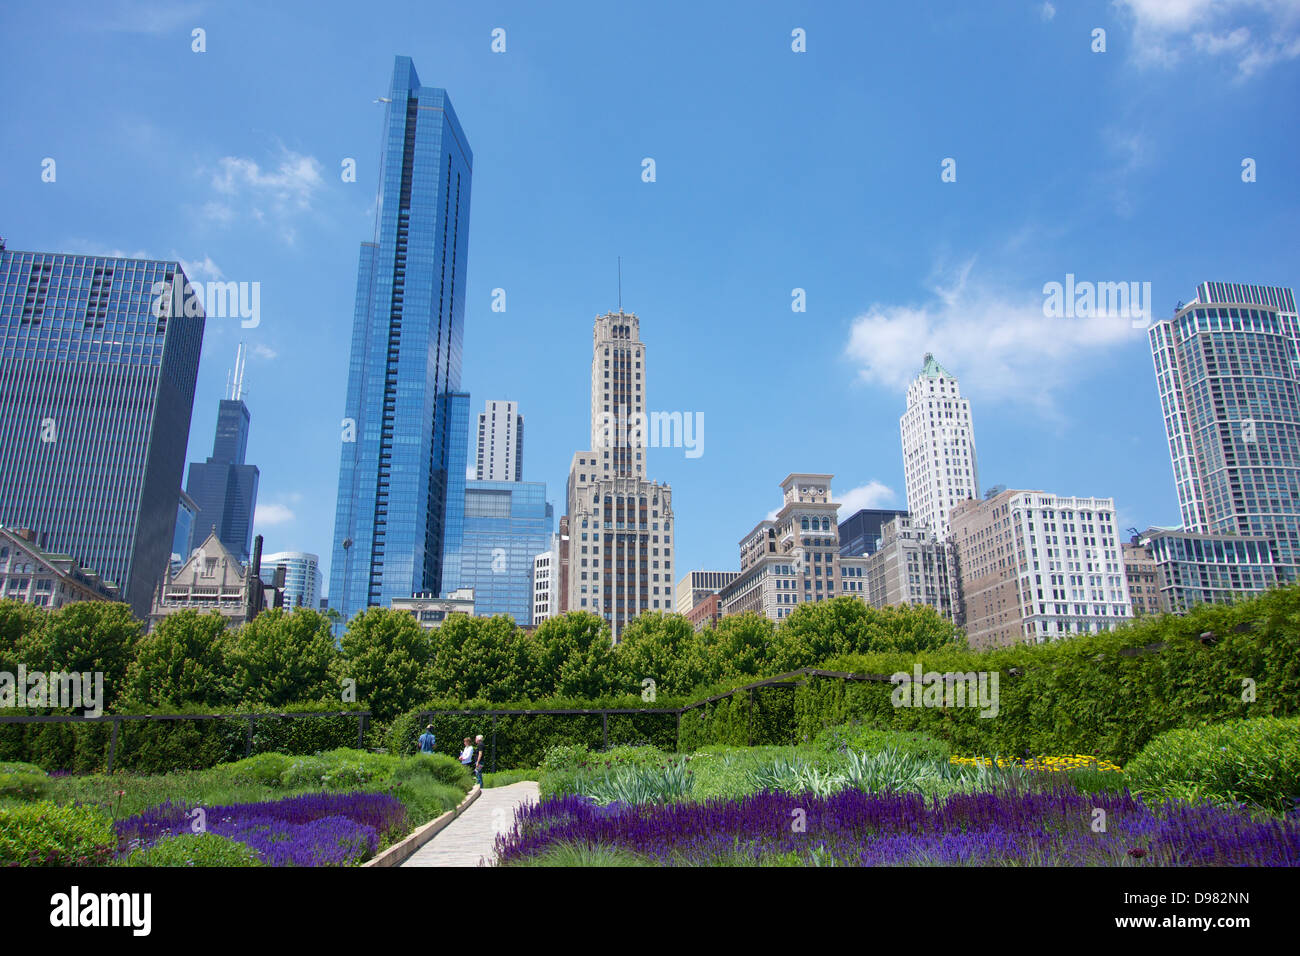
(201, 270)
(264, 352)
(1047, 11)
(272, 514)
(873, 494)
(993, 340)
(1165, 31)
(278, 193)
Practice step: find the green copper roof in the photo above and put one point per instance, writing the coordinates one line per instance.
(932, 369)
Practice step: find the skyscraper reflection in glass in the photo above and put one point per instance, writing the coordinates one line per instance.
(506, 524)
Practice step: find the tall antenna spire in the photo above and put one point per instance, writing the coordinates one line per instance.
(620, 285)
(236, 387)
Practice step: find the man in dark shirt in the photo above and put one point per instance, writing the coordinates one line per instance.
(478, 759)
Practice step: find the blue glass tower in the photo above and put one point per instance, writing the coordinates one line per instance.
(406, 356)
(506, 524)
(223, 487)
(97, 376)
(457, 462)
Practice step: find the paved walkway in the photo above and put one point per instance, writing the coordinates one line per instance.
(469, 837)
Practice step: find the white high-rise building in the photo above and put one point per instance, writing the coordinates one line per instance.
(620, 524)
(500, 442)
(938, 448)
(546, 582)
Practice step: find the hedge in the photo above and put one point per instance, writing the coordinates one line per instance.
(522, 740)
(158, 746)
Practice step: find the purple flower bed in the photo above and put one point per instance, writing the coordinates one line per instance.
(854, 828)
(314, 829)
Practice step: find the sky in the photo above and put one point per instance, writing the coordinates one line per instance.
(920, 171)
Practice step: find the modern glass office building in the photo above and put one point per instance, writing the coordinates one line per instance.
(302, 578)
(862, 531)
(224, 487)
(405, 356)
(457, 431)
(97, 378)
(506, 524)
(1228, 369)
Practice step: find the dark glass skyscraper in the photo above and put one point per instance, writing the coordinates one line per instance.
(406, 355)
(97, 382)
(457, 461)
(223, 487)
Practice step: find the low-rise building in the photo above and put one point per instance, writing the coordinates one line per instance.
(1143, 576)
(213, 579)
(431, 610)
(35, 576)
(1211, 568)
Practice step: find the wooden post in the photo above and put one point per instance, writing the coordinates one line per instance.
(112, 745)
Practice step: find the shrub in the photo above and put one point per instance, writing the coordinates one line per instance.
(16, 767)
(264, 769)
(440, 768)
(24, 786)
(564, 757)
(1253, 761)
(196, 849)
(341, 769)
(46, 834)
(426, 799)
(504, 778)
(856, 736)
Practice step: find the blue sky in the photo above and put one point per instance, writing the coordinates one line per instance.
(775, 170)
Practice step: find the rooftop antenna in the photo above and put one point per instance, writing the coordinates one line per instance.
(236, 388)
(620, 285)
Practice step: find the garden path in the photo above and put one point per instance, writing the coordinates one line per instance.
(469, 837)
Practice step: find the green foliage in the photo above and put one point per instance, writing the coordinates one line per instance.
(481, 658)
(24, 786)
(742, 645)
(426, 799)
(20, 767)
(861, 738)
(89, 637)
(437, 767)
(637, 784)
(180, 662)
(504, 778)
(389, 655)
(565, 757)
(46, 834)
(815, 632)
(583, 854)
(1255, 762)
(341, 769)
(280, 658)
(196, 849)
(574, 657)
(664, 648)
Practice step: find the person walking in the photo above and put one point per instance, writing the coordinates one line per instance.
(427, 740)
(478, 760)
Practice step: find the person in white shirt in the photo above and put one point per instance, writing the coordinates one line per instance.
(467, 755)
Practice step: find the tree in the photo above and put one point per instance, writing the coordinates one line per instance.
(741, 645)
(180, 662)
(665, 648)
(283, 658)
(574, 657)
(483, 658)
(388, 654)
(92, 637)
(21, 634)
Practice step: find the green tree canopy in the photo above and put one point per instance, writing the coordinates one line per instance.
(283, 658)
(574, 657)
(665, 648)
(742, 645)
(89, 637)
(388, 654)
(485, 658)
(180, 662)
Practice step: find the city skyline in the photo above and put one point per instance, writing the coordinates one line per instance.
(1081, 416)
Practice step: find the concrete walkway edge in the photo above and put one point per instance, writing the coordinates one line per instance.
(395, 854)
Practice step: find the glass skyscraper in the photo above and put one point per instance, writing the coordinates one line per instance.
(97, 378)
(1228, 369)
(457, 404)
(223, 487)
(405, 358)
(506, 523)
(301, 577)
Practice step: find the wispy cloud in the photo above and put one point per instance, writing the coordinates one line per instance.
(874, 494)
(997, 341)
(264, 352)
(273, 514)
(1047, 11)
(277, 193)
(201, 270)
(1252, 34)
